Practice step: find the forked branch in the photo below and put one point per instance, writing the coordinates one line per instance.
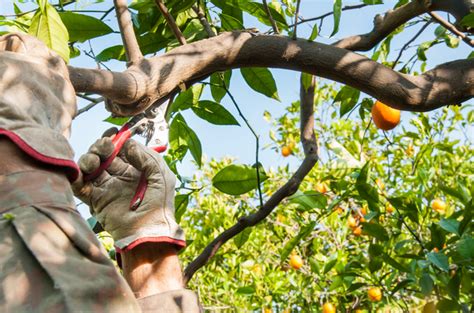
(171, 22)
(310, 148)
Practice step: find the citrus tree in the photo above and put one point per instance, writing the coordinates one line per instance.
(378, 215)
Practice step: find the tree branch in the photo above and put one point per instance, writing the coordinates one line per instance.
(171, 22)
(452, 29)
(132, 49)
(154, 79)
(422, 29)
(270, 17)
(383, 26)
(310, 147)
(203, 20)
(345, 8)
(92, 104)
(298, 2)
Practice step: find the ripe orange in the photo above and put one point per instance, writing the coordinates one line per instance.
(375, 294)
(390, 209)
(285, 151)
(351, 222)
(385, 117)
(296, 262)
(439, 206)
(321, 187)
(339, 210)
(435, 250)
(357, 231)
(267, 310)
(329, 308)
(363, 210)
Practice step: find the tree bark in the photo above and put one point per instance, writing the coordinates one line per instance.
(152, 80)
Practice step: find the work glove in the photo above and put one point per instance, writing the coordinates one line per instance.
(110, 194)
(37, 100)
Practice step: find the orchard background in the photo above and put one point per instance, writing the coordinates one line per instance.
(363, 218)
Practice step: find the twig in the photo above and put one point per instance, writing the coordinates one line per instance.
(270, 17)
(106, 13)
(298, 2)
(422, 29)
(310, 147)
(130, 43)
(347, 7)
(171, 22)
(203, 20)
(452, 28)
(257, 142)
(93, 103)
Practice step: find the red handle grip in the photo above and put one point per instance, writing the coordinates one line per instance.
(119, 140)
(142, 185)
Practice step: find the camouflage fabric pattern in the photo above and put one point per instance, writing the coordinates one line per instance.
(50, 261)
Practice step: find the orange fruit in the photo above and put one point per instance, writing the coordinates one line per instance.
(357, 231)
(296, 262)
(439, 206)
(385, 117)
(267, 310)
(285, 151)
(390, 209)
(363, 210)
(351, 222)
(321, 188)
(435, 249)
(339, 210)
(362, 220)
(375, 294)
(329, 308)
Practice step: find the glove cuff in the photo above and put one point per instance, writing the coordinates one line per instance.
(121, 246)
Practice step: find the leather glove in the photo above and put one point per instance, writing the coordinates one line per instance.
(37, 100)
(109, 195)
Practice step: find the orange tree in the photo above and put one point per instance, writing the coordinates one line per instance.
(379, 220)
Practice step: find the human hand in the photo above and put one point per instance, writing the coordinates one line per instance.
(109, 195)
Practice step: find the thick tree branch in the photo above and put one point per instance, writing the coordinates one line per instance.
(310, 147)
(156, 78)
(171, 22)
(452, 29)
(132, 49)
(384, 25)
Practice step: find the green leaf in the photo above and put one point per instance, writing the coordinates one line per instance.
(242, 238)
(214, 113)
(309, 200)
(186, 99)
(389, 260)
(261, 80)
(314, 33)
(366, 191)
(330, 264)
(426, 284)
(337, 9)
(230, 23)
(119, 121)
(237, 179)
(219, 82)
(181, 134)
(114, 52)
(375, 250)
(468, 20)
(465, 248)
(47, 26)
(458, 191)
(450, 225)
(247, 290)
(375, 230)
(291, 244)
(348, 97)
(307, 80)
(83, 27)
(180, 203)
(447, 305)
(438, 259)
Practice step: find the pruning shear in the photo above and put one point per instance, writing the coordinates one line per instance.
(150, 124)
